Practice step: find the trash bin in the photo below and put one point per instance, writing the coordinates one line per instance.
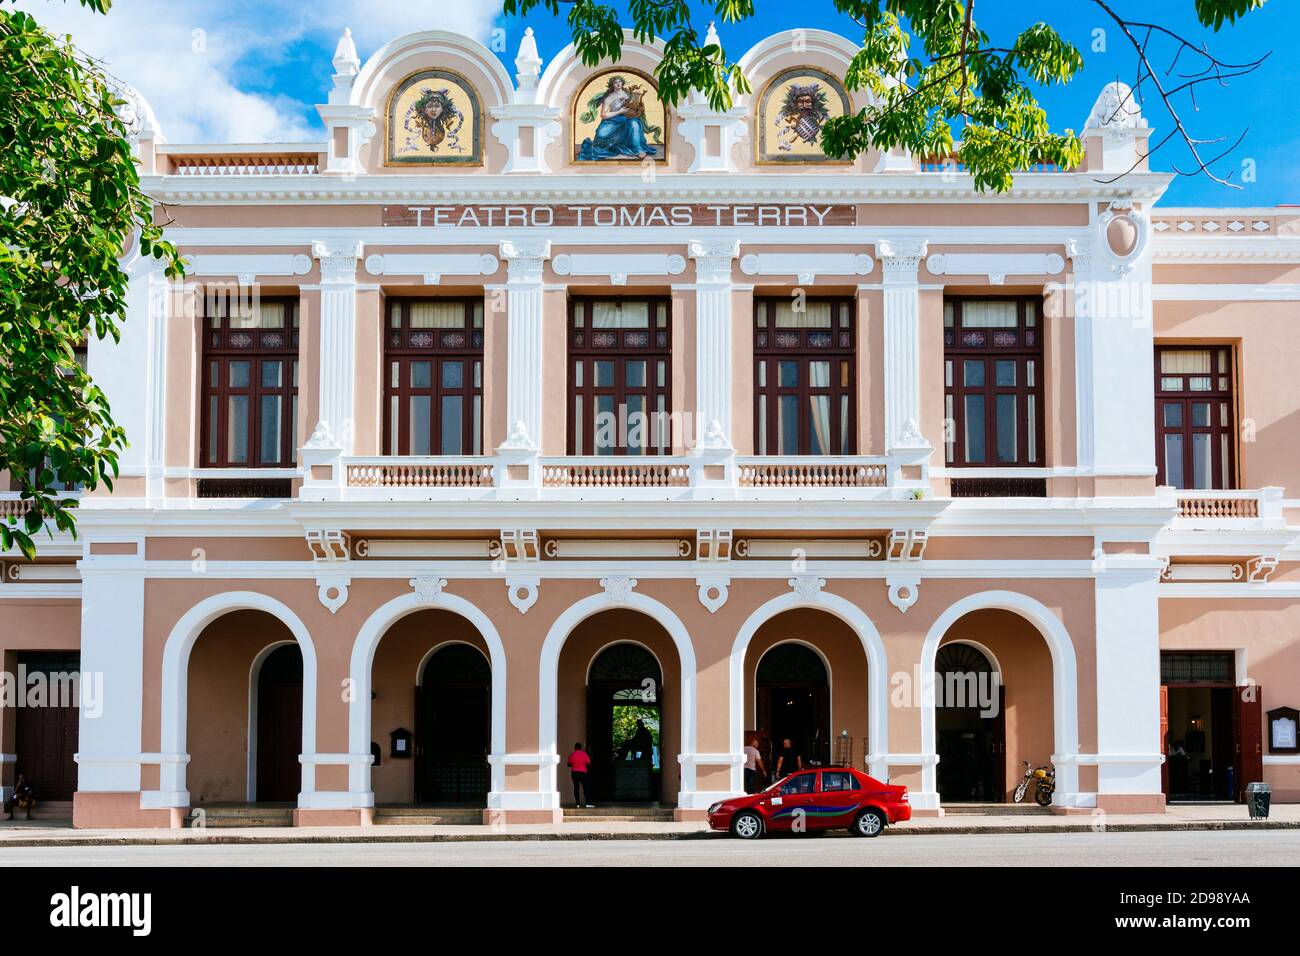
(1257, 800)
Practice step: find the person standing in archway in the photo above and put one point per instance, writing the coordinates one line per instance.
(579, 763)
(753, 765)
(789, 760)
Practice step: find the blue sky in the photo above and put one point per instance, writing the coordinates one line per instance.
(249, 70)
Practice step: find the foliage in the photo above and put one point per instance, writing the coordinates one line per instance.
(70, 206)
(939, 82)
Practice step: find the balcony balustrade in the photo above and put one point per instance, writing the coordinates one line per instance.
(711, 475)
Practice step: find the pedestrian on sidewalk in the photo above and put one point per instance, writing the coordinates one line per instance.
(579, 764)
(753, 765)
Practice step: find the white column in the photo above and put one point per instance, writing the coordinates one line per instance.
(112, 675)
(900, 262)
(338, 332)
(713, 263)
(132, 372)
(1128, 676)
(525, 261)
(1114, 349)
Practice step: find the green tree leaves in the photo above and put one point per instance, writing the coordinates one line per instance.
(938, 81)
(70, 207)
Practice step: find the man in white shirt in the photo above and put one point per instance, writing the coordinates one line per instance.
(753, 765)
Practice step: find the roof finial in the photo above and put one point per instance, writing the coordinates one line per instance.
(528, 62)
(711, 38)
(346, 61)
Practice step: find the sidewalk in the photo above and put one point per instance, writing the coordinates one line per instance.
(52, 833)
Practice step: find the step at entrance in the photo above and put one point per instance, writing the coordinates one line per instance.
(48, 811)
(995, 809)
(428, 816)
(618, 814)
(220, 816)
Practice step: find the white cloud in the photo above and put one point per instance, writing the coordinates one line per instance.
(193, 65)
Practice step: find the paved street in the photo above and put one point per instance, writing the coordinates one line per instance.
(1175, 848)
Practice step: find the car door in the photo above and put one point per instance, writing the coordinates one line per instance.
(792, 806)
(838, 797)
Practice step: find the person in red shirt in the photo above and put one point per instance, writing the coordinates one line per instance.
(579, 763)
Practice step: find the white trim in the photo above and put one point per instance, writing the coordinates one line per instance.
(360, 673)
(1281, 760)
(877, 676)
(1065, 681)
(175, 684)
(548, 796)
(1282, 590)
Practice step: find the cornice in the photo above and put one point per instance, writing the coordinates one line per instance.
(666, 187)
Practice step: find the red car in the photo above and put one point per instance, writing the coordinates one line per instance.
(825, 799)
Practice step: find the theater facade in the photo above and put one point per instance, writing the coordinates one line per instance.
(528, 410)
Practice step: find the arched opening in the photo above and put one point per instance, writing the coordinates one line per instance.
(624, 720)
(279, 725)
(618, 676)
(806, 680)
(453, 723)
(431, 712)
(993, 710)
(245, 705)
(970, 725)
(793, 694)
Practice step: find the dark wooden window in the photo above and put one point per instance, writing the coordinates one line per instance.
(250, 383)
(804, 377)
(993, 383)
(620, 376)
(1195, 437)
(433, 353)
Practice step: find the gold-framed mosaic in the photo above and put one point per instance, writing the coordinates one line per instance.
(617, 117)
(434, 118)
(792, 109)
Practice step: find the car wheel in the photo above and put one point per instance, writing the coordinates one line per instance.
(747, 826)
(869, 823)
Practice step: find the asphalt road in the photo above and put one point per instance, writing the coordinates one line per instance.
(1198, 848)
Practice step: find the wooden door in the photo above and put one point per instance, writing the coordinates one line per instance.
(1248, 726)
(279, 740)
(1000, 748)
(46, 739)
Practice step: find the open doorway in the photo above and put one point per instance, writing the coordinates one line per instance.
(794, 703)
(1210, 727)
(624, 701)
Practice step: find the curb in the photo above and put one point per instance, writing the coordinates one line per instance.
(496, 837)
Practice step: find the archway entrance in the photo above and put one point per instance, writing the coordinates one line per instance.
(279, 725)
(245, 701)
(993, 706)
(625, 724)
(453, 720)
(614, 668)
(430, 713)
(970, 726)
(794, 703)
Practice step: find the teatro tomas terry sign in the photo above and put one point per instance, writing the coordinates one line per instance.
(621, 215)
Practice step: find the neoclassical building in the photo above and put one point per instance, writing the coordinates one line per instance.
(525, 411)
